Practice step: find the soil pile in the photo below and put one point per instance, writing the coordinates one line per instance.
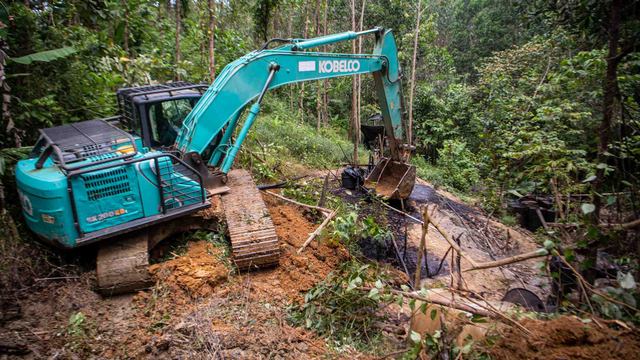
(566, 337)
(298, 273)
(198, 272)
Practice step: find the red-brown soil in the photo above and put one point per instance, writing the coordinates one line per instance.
(566, 337)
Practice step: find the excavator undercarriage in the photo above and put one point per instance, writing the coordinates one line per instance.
(123, 265)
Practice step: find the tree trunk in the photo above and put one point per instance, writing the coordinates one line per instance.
(74, 17)
(325, 98)
(318, 103)
(353, 79)
(126, 29)
(610, 92)
(359, 107)
(353, 131)
(305, 34)
(413, 75)
(178, 38)
(212, 56)
(290, 85)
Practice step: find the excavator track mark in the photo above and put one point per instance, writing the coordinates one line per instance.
(254, 241)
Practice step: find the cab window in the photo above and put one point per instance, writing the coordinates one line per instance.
(166, 119)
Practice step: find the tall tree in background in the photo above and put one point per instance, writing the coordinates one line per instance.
(305, 35)
(178, 19)
(325, 98)
(290, 20)
(212, 57)
(318, 107)
(126, 27)
(353, 131)
(359, 103)
(352, 4)
(413, 73)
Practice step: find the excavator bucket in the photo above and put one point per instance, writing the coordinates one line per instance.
(392, 179)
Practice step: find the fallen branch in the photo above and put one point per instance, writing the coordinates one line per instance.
(507, 261)
(254, 155)
(492, 309)
(318, 230)
(279, 185)
(443, 302)
(425, 229)
(328, 211)
(59, 278)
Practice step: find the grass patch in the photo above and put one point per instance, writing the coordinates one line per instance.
(278, 133)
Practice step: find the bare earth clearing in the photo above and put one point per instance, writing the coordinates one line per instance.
(201, 309)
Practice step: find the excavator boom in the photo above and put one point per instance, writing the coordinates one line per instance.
(217, 114)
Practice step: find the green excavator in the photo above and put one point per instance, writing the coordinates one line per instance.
(92, 182)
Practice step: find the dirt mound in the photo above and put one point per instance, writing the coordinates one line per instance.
(198, 272)
(297, 273)
(566, 337)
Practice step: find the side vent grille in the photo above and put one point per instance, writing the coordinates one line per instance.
(107, 184)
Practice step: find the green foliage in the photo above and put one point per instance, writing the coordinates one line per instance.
(79, 333)
(301, 142)
(45, 56)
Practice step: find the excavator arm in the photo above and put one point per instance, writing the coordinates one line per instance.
(216, 116)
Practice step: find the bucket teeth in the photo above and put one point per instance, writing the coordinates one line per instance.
(253, 237)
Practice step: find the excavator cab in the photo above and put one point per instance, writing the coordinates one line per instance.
(155, 113)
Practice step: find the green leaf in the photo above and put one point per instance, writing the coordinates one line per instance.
(379, 284)
(601, 166)
(423, 307)
(611, 199)
(2, 165)
(568, 255)
(434, 312)
(400, 300)
(412, 304)
(415, 337)
(46, 56)
(588, 208)
(542, 251)
(590, 178)
(548, 244)
(374, 294)
(404, 287)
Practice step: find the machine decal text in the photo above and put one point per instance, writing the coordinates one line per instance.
(106, 215)
(333, 66)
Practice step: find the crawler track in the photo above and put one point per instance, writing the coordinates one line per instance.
(253, 237)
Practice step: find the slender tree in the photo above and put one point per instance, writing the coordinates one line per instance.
(353, 131)
(178, 20)
(359, 107)
(413, 73)
(325, 98)
(305, 34)
(290, 19)
(352, 116)
(212, 56)
(318, 107)
(126, 28)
